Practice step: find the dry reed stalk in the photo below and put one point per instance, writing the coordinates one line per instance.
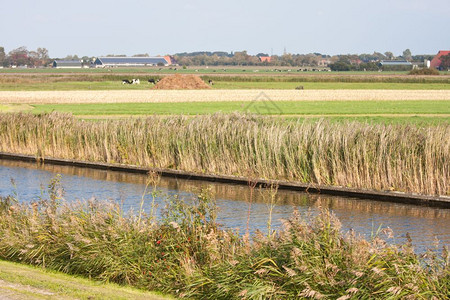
(403, 158)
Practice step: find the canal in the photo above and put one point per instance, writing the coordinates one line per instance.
(238, 205)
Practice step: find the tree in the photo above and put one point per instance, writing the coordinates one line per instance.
(72, 57)
(19, 57)
(407, 54)
(2, 56)
(341, 66)
(389, 55)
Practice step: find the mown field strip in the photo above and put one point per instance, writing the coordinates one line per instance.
(367, 107)
(161, 96)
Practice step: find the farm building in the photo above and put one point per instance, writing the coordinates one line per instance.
(265, 59)
(104, 62)
(436, 61)
(67, 64)
(395, 63)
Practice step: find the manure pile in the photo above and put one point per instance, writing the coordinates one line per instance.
(181, 82)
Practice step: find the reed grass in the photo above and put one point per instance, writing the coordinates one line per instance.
(404, 158)
(187, 254)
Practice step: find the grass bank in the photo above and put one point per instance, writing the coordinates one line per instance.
(187, 254)
(19, 281)
(406, 158)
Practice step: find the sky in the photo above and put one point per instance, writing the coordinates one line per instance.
(100, 27)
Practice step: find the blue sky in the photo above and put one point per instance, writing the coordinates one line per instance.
(100, 27)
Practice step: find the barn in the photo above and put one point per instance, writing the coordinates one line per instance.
(436, 61)
(395, 65)
(112, 62)
(67, 64)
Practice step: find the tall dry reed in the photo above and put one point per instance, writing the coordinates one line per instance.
(405, 158)
(187, 254)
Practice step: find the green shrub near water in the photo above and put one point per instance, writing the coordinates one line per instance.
(187, 254)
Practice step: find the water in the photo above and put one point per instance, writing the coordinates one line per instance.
(425, 225)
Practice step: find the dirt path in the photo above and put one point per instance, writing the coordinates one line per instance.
(158, 96)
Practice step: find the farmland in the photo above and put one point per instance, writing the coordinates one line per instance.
(384, 133)
(422, 101)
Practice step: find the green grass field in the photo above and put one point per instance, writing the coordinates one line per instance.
(26, 282)
(261, 107)
(331, 85)
(117, 85)
(428, 112)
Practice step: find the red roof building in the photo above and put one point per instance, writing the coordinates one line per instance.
(436, 62)
(168, 59)
(265, 58)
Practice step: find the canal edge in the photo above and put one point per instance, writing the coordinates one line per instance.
(390, 196)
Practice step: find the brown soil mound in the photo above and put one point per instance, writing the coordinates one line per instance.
(181, 82)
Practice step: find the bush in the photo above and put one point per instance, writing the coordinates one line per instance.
(341, 66)
(424, 71)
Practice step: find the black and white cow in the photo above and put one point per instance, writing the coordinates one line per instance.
(153, 81)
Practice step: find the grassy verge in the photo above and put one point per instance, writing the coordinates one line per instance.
(18, 281)
(185, 253)
(399, 157)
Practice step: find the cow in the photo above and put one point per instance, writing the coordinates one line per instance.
(211, 82)
(300, 87)
(153, 81)
(135, 81)
(126, 81)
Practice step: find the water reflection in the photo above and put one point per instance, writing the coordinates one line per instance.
(363, 216)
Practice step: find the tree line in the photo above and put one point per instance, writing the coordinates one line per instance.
(345, 62)
(23, 57)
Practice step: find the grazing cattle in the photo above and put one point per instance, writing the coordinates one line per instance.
(126, 81)
(135, 81)
(211, 82)
(300, 87)
(153, 81)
